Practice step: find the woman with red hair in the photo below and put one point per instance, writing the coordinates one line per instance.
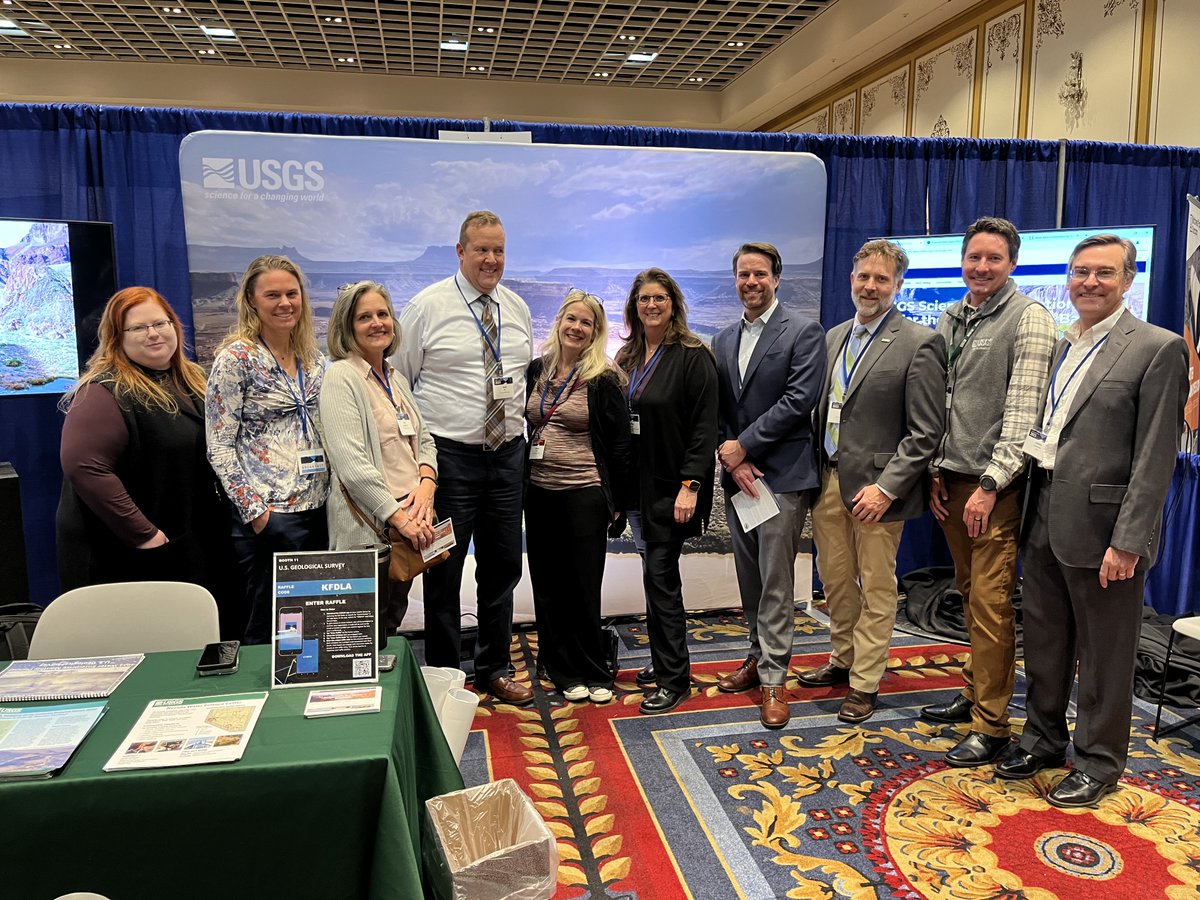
(139, 500)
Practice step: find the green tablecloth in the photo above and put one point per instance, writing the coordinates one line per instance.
(322, 808)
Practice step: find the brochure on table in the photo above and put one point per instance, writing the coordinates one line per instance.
(324, 614)
(37, 741)
(343, 701)
(189, 732)
(86, 678)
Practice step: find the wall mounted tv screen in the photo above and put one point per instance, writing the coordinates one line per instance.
(55, 278)
(934, 278)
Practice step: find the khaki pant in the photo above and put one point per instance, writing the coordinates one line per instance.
(857, 565)
(985, 570)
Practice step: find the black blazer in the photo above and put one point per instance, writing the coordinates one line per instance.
(608, 428)
(678, 441)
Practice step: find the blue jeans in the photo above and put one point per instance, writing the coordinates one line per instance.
(285, 532)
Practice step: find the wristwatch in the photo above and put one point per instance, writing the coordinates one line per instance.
(693, 485)
(988, 483)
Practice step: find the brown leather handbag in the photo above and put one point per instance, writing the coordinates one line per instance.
(406, 563)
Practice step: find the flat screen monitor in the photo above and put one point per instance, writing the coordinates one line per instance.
(55, 278)
(934, 278)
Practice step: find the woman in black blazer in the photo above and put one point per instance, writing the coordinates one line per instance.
(672, 397)
(577, 485)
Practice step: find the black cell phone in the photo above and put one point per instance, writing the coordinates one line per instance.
(220, 658)
(387, 662)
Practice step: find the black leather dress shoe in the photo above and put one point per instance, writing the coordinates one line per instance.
(646, 676)
(662, 701)
(976, 749)
(1019, 764)
(1078, 789)
(824, 676)
(957, 710)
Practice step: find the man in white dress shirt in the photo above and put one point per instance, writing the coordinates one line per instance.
(464, 346)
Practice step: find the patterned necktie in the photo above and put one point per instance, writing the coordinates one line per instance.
(841, 383)
(493, 420)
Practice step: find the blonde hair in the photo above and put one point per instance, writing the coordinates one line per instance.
(110, 363)
(593, 361)
(248, 327)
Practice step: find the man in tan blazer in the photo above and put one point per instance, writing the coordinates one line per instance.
(879, 425)
(1103, 453)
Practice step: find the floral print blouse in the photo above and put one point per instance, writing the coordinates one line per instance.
(255, 431)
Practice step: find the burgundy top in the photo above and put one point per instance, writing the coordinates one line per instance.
(94, 437)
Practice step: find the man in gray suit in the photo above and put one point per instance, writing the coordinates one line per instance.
(1103, 453)
(769, 369)
(878, 428)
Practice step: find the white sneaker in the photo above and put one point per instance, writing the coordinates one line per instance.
(576, 692)
(599, 694)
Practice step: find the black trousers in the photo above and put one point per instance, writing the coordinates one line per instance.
(285, 532)
(481, 491)
(665, 616)
(566, 538)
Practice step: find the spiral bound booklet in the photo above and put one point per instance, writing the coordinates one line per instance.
(86, 678)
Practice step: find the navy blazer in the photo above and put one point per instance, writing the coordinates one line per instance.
(770, 411)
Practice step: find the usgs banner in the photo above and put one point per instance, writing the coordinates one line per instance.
(389, 209)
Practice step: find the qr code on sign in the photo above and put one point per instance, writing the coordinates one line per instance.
(361, 668)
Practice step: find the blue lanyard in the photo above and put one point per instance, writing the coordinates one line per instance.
(634, 380)
(301, 409)
(387, 388)
(862, 352)
(557, 396)
(1054, 377)
(494, 348)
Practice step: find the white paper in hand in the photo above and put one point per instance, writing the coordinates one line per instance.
(750, 512)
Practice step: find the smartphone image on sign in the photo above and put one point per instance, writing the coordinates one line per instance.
(290, 638)
(219, 658)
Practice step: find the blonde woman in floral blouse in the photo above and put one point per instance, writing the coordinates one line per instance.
(262, 429)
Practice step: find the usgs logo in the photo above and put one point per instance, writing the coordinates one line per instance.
(265, 174)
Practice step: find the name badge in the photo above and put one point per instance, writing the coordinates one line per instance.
(835, 412)
(502, 387)
(537, 449)
(312, 461)
(405, 422)
(635, 423)
(1035, 445)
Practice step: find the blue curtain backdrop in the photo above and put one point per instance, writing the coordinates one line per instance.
(121, 164)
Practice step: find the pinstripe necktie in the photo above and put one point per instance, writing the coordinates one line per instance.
(841, 382)
(493, 420)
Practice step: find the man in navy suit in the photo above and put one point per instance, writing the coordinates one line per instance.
(770, 366)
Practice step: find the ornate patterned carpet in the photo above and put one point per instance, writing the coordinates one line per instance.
(706, 803)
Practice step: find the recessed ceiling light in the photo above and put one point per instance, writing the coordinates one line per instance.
(640, 59)
(736, 44)
(484, 30)
(62, 46)
(454, 44)
(695, 80)
(219, 32)
(209, 52)
(599, 74)
(336, 20)
(175, 10)
(478, 69)
(345, 59)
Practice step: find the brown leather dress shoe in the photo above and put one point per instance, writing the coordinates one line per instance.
(504, 688)
(741, 679)
(824, 676)
(775, 712)
(858, 705)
